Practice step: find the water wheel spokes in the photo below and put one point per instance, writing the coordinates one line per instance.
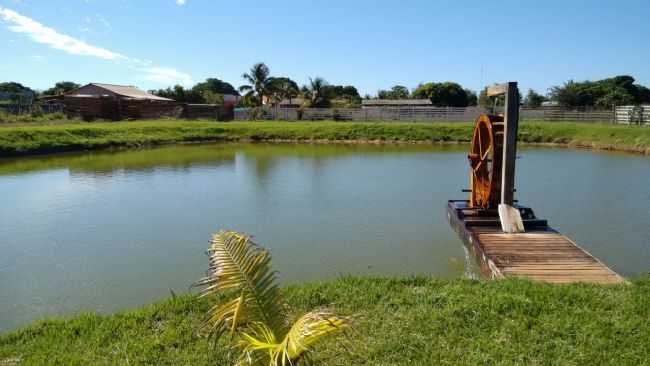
(485, 161)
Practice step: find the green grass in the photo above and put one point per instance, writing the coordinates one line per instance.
(411, 321)
(58, 137)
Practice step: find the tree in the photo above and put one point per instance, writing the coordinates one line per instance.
(13, 87)
(18, 93)
(216, 86)
(180, 94)
(472, 99)
(396, 92)
(533, 99)
(260, 83)
(254, 311)
(318, 93)
(61, 87)
(601, 93)
(447, 94)
(283, 88)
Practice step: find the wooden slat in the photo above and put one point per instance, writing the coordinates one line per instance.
(542, 256)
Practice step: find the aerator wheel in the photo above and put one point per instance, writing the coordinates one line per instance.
(485, 159)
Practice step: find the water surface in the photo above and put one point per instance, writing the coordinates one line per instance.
(104, 231)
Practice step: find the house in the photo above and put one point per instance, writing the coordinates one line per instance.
(116, 102)
(115, 92)
(395, 103)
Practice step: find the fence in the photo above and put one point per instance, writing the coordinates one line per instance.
(629, 114)
(419, 114)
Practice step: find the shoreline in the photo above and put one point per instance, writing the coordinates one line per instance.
(20, 141)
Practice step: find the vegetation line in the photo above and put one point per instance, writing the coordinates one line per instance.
(62, 137)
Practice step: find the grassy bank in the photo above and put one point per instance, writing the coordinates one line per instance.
(23, 140)
(415, 321)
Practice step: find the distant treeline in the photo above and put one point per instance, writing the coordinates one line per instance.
(262, 88)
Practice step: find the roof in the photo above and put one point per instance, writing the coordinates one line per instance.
(127, 91)
(375, 102)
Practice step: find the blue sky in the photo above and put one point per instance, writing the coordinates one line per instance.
(369, 44)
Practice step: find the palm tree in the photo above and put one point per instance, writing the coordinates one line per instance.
(256, 317)
(318, 92)
(259, 82)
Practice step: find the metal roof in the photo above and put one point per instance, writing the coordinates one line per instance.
(130, 92)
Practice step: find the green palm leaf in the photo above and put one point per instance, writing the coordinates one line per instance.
(256, 311)
(239, 265)
(305, 332)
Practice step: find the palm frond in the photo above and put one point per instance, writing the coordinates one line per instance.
(248, 78)
(244, 88)
(237, 264)
(305, 332)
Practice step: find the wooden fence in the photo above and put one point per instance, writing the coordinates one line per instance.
(418, 114)
(629, 114)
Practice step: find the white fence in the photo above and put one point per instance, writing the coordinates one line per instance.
(419, 114)
(629, 114)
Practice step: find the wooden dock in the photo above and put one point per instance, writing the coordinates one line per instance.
(540, 253)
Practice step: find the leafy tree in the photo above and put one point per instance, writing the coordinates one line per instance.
(254, 312)
(180, 94)
(343, 96)
(472, 99)
(210, 97)
(447, 94)
(348, 92)
(601, 93)
(318, 93)
(18, 93)
(533, 99)
(13, 87)
(396, 92)
(216, 86)
(260, 83)
(61, 87)
(283, 88)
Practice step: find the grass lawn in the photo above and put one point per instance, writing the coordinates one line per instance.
(58, 137)
(410, 321)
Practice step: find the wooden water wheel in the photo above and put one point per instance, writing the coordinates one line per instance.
(485, 159)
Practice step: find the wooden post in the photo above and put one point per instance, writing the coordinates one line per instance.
(511, 125)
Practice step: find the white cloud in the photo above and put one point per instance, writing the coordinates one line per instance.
(166, 75)
(48, 36)
(45, 35)
(180, 2)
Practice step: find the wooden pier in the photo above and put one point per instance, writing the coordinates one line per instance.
(540, 253)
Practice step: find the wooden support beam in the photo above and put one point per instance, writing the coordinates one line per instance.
(495, 90)
(511, 120)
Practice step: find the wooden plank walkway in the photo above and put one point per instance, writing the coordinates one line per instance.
(540, 254)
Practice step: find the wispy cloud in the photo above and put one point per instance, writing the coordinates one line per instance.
(50, 37)
(180, 2)
(166, 75)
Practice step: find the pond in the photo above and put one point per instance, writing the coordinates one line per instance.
(104, 231)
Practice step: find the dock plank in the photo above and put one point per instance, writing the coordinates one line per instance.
(540, 254)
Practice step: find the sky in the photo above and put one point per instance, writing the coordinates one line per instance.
(369, 44)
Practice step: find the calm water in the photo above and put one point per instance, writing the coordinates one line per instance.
(107, 231)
